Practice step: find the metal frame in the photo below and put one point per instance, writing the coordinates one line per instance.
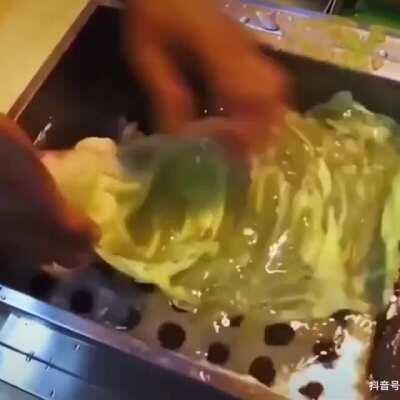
(69, 330)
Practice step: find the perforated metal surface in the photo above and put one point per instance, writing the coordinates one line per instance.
(52, 355)
(290, 348)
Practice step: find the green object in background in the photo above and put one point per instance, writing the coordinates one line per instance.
(375, 12)
(389, 5)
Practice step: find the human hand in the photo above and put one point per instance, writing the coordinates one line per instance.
(250, 88)
(35, 222)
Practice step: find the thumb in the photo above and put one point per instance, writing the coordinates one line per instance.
(34, 216)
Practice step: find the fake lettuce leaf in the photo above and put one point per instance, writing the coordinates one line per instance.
(293, 240)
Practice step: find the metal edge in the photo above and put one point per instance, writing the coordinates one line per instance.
(112, 3)
(45, 70)
(231, 383)
(390, 69)
(293, 10)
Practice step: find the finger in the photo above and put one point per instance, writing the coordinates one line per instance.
(21, 168)
(32, 207)
(45, 237)
(76, 231)
(251, 89)
(59, 272)
(28, 238)
(257, 101)
(170, 95)
(215, 42)
(10, 128)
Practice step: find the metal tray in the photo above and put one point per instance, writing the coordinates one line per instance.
(91, 91)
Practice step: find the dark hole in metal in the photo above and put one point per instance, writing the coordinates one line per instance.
(218, 353)
(133, 319)
(236, 321)
(325, 351)
(340, 316)
(81, 302)
(312, 390)
(262, 368)
(171, 336)
(278, 334)
(41, 286)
